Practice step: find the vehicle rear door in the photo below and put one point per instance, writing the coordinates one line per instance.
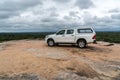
(69, 36)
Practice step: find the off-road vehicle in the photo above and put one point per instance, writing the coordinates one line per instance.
(79, 36)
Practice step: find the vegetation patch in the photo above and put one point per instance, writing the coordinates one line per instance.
(113, 37)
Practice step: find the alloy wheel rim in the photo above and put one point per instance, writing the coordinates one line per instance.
(81, 44)
(50, 43)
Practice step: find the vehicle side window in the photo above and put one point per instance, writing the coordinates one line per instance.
(71, 31)
(60, 32)
(84, 30)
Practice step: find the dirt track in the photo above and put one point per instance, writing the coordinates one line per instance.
(33, 57)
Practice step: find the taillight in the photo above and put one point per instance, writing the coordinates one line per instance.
(94, 37)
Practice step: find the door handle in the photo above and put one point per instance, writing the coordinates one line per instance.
(72, 35)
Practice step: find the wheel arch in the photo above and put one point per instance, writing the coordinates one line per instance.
(50, 39)
(81, 39)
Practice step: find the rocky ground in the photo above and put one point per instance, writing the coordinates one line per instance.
(34, 60)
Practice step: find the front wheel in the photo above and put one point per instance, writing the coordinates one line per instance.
(50, 43)
(81, 43)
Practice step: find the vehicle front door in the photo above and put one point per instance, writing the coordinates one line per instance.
(60, 36)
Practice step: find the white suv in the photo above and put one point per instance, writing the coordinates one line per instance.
(79, 36)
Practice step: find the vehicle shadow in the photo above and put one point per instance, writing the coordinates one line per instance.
(88, 48)
(74, 46)
(67, 45)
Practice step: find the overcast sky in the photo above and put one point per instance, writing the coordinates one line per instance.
(48, 15)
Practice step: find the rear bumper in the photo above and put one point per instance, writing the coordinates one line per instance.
(94, 41)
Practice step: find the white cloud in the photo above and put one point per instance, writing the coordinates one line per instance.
(84, 4)
(55, 14)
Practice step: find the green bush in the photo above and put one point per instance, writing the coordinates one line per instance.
(113, 37)
(20, 36)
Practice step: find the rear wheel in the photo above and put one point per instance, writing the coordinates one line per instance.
(50, 42)
(81, 43)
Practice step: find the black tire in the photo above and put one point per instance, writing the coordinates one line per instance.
(81, 43)
(50, 42)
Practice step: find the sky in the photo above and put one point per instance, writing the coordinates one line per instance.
(51, 15)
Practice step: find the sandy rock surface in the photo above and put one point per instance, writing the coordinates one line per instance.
(20, 59)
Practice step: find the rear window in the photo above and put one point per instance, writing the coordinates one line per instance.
(85, 30)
